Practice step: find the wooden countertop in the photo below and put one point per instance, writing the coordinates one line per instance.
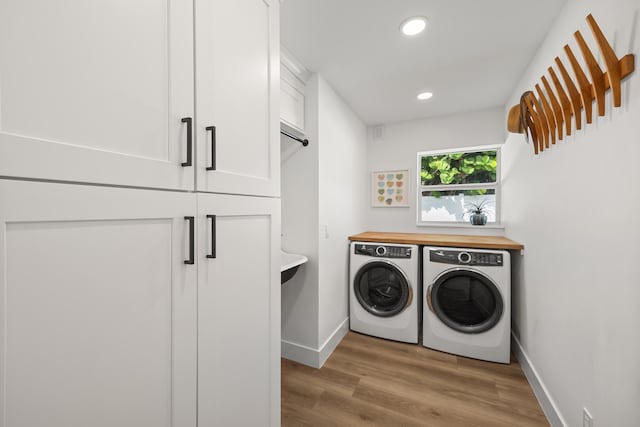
(449, 240)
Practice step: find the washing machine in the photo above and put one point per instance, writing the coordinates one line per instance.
(467, 308)
(384, 290)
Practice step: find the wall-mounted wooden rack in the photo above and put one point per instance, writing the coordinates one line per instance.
(546, 116)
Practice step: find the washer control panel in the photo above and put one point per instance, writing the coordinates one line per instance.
(461, 257)
(382, 251)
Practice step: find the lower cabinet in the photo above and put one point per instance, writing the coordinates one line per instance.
(99, 308)
(238, 311)
(101, 319)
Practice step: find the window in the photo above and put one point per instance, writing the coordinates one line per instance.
(451, 182)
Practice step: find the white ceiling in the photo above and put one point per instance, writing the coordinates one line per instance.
(470, 56)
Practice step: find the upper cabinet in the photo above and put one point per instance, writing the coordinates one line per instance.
(104, 92)
(237, 81)
(97, 91)
(292, 87)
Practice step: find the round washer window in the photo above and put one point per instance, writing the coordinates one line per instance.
(466, 301)
(382, 289)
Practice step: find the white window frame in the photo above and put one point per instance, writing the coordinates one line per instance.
(448, 187)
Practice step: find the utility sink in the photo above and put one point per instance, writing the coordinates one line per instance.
(289, 264)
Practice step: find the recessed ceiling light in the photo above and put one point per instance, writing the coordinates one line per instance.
(413, 26)
(423, 96)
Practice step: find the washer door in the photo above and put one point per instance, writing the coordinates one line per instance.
(466, 301)
(382, 289)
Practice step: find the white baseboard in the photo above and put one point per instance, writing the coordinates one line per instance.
(332, 342)
(311, 356)
(548, 405)
(300, 353)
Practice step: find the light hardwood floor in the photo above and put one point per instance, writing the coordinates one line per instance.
(374, 382)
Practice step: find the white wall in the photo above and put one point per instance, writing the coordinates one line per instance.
(299, 205)
(398, 150)
(323, 202)
(343, 201)
(576, 290)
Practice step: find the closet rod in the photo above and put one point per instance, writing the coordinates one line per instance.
(304, 142)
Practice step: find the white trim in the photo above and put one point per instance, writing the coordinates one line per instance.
(299, 353)
(450, 187)
(315, 357)
(547, 403)
(332, 342)
(452, 224)
(288, 61)
(292, 129)
(461, 150)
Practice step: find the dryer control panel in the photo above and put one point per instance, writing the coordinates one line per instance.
(382, 251)
(461, 257)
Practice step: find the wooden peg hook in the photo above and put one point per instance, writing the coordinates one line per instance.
(610, 59)
(583, 83)
(574, 95)
(543, 116)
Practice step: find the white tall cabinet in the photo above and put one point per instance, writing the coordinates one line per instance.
(113, 308)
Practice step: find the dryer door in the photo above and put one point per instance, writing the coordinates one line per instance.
(465, 300)
(382, 289)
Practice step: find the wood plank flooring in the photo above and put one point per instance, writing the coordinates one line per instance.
(373, 382)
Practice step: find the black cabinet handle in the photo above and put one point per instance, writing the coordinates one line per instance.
(191, 239)
(213, 236)
(212, 129)
(189, 122)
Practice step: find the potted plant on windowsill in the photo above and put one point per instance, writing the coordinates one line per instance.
(477, 217)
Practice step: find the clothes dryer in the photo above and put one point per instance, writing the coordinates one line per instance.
(467, 308)
(384, 290)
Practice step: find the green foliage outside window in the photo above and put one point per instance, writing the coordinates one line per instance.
(459, 168)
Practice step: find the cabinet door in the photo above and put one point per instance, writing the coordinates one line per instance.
(291, 100)
(98, 324)
(238, 311)
(95, 91)
(237, 86)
